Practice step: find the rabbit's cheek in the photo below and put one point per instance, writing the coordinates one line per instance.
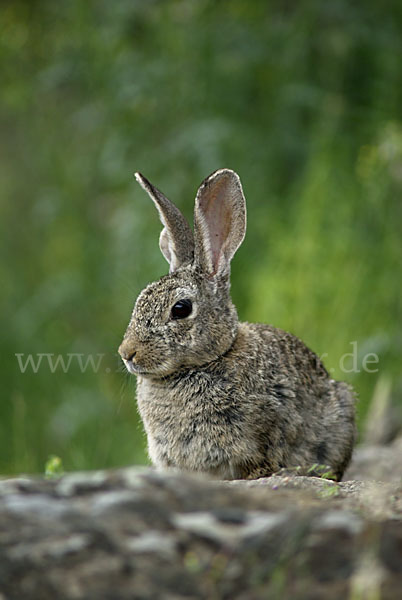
(152, 359)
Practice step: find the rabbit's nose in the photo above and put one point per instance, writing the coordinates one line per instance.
(126, 352)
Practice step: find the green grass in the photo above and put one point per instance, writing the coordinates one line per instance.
(304, 101)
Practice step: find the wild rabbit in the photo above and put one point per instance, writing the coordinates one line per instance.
(236, 400)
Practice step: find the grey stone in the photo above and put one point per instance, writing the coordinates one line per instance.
(139, 533)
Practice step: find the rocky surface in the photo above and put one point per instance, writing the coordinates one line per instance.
(136, 533)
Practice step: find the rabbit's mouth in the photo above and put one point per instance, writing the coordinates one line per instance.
(134, 369)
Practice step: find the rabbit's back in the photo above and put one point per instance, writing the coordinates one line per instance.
(267, 403)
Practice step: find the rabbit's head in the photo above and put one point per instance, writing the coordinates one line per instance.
(187, 319)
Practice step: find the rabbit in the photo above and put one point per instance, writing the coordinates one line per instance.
(232, 399)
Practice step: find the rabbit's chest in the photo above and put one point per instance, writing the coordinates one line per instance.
(195, 431)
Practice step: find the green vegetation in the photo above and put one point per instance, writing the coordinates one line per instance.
(322, 471)
(329, 491)
(54, 467)
(303, 99)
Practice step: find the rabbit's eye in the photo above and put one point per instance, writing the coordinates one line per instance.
(182, 309)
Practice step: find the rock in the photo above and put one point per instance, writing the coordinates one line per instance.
(377, 462)
(138, 533)
(383, 422)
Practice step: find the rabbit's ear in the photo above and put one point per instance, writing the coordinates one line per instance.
(219, 221)
(176, 240)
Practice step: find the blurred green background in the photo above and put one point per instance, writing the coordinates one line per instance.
(303, 99)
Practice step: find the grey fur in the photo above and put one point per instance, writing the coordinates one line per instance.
(236, 400)
(176, 240)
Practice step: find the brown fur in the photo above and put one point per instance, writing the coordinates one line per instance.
(236, 400)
